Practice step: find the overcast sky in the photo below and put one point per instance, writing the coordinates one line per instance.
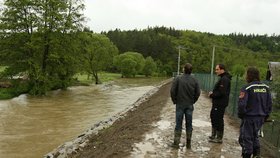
(215, 16)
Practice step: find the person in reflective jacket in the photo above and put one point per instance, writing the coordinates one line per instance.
(254, 107)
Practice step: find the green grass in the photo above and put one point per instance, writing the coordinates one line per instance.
(18, 88)
(275, 114)
(2, 68)
(103, 77)
(6, 93)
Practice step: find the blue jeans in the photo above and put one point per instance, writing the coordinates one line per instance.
(182, 110)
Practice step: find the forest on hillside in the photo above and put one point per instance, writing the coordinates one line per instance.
(236, 51)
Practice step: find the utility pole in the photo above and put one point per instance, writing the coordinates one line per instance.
(212, 67)
(178, 67)
(179, 56)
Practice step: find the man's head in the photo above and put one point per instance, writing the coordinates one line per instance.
(188, 68)
(253, 74)
(220, 69)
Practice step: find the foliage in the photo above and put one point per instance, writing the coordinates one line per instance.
(231, 50)
(97, 53)
(149, 67)
(38, 37)
(129, 63)
(84, 79)
(238, 70)
(18, 87)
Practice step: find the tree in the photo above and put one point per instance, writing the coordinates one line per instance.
(98, 53)
(129, 63)
(39, 38)
(149, 67)
(238, 70)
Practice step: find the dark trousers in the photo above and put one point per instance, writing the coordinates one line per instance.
(217, 117)
(248, 138)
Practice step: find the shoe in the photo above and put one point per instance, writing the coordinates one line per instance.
(219, 138)
(214, 134)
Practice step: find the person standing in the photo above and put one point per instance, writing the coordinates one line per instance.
(184, 93)
(254, 107)
(220, 99)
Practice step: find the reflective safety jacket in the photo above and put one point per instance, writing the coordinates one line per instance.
(254, 100)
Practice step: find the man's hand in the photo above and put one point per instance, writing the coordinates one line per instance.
(209, 94)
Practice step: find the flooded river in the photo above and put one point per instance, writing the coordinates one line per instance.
(30, 127)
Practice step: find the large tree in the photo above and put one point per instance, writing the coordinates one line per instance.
(39, 36)
(97, 53)
(129, 63)
(149, 67)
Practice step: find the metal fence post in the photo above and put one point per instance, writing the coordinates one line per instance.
(235, 95)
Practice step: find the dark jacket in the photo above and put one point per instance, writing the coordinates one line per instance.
(221, 91)
(185, 90)
(254, 100)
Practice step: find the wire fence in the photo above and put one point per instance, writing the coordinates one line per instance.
(271, 129)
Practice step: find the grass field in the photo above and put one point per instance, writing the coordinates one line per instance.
(103, 77)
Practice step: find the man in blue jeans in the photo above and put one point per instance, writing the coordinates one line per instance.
(184, 93)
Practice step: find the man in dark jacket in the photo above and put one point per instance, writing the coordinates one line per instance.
(184, 93)
(254, 107)
(220, 98)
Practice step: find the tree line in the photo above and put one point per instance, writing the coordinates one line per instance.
(48, 42)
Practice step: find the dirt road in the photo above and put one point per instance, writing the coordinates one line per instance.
(147, 131)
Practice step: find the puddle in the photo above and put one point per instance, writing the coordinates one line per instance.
(163, 124)
(203, 149)
(146, 147)
(143, 148)
(199, 123)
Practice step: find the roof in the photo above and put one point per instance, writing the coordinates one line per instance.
(273, 70)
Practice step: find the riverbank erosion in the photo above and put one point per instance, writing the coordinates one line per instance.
(146, 129)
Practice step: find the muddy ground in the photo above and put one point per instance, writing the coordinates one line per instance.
(147, 131)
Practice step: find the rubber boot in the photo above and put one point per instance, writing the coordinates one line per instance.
(257, 153)
(177, 137)
(189, 139)
(244, 155)
(214, 134)
(219, 138)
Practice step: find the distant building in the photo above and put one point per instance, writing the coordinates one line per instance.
(273, 70)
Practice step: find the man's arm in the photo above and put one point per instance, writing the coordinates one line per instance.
(242, 103)
(174, 90)
(197, 91)
(223, 85)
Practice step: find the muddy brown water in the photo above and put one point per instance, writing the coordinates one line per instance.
(33, 126)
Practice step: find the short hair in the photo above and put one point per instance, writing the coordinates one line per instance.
(222, 66)
(253, 74)
(188, 68)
